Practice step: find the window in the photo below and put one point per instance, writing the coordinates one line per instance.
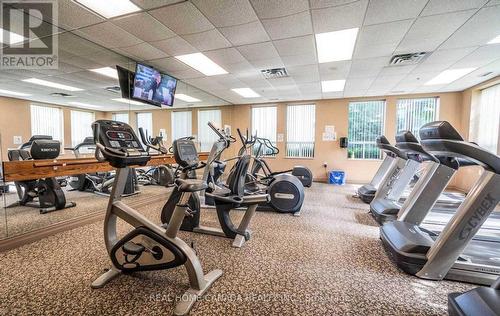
(485, 120)
(47, 120)
(145, 120)
(366, 123)
(300, 130)
(181, 124)
(414, 113)
(206, 137)
(81, 126)
(120, 117)
(264, 124)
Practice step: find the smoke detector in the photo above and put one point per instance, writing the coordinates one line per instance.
(407, 59)
(274, 73)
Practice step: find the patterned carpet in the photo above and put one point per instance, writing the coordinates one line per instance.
(329, 261)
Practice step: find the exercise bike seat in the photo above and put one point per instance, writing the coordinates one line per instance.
(190, 185)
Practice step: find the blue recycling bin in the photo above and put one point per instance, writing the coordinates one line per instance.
(336, 177)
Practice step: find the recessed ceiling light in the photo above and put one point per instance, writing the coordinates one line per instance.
(496, 40)
(246, 92)
(109, 8)
(202, 63)
(336, 46)
(52, 84)
(14, 38)
(186, 98)
(18, 94)
(128, 101)
(332, 85)
(106, 71)
(449, 75)
(85, 105)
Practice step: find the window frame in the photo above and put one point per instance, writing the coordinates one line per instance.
(73, 143)
(384, 122)
(202, 126)
(172, 123)
(113, 116)
(273, 141)
(151, 134)
(286, 129)
(437, 110)
(61, 123)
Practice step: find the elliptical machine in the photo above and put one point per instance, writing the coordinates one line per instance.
(286, 191)
(98, 182)
(148, 246)
(48, 191)
(265, 146)
(162, 175)
(226, 198)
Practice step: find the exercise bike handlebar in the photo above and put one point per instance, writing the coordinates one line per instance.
(147, 142)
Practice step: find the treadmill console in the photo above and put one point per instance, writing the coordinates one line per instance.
(185, 153)
(121, 146)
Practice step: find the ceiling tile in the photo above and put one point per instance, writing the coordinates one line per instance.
(335, 70)
(300, 60)
(380, 39)
(186, 74)
(386, 83)
(302, 45)
(182, 18)
(396, 70)
(169, 64)
(76, 45)
(108, 35)
(289, 26)
(71, 16)
(143, 51)
(480, 29)
(267, 63)
(144, 26)
(369, 67)
(301, 74)
(358, 84)
(445, 6)
(258, 51)
(442, 59)
(319, 4)
(244, 34)
(225, 56)
(382, 11)
(339, 18)
(207, 40)
(83, 62)
(151, 4)
(227, 12)
(480, 57)
(429, 32)
(279, 8)
(174, 46)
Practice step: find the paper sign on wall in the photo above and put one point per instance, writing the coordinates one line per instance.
(280, 137)
(329, 129)
(18, 140)
(329, 137)
(227, 129)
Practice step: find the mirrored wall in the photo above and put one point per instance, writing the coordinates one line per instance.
(55, 108)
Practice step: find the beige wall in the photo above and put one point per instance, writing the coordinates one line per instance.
(454, 107)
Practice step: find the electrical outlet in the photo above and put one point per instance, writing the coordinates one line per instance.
(325, 164)
(18, 140)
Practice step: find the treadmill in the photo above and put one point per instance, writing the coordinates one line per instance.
(438, 174)
(453, 254)
(483, 301)
(393, 162)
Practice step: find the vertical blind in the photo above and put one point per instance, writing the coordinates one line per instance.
(47, 121)
(264, 120)
(145, 120)
(206, 137)
(366, 123)
(414, 113)
(181, 124)
(485, 120)
(120, 117)
(300, 130)
(81, 126)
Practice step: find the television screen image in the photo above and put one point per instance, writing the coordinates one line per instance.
(152, 86)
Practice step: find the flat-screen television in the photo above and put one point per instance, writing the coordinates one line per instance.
(153, 87)
(126, 81)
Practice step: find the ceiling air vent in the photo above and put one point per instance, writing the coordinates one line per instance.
(407, 59)
(274, 73)
(114, 89)
(60, 94)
